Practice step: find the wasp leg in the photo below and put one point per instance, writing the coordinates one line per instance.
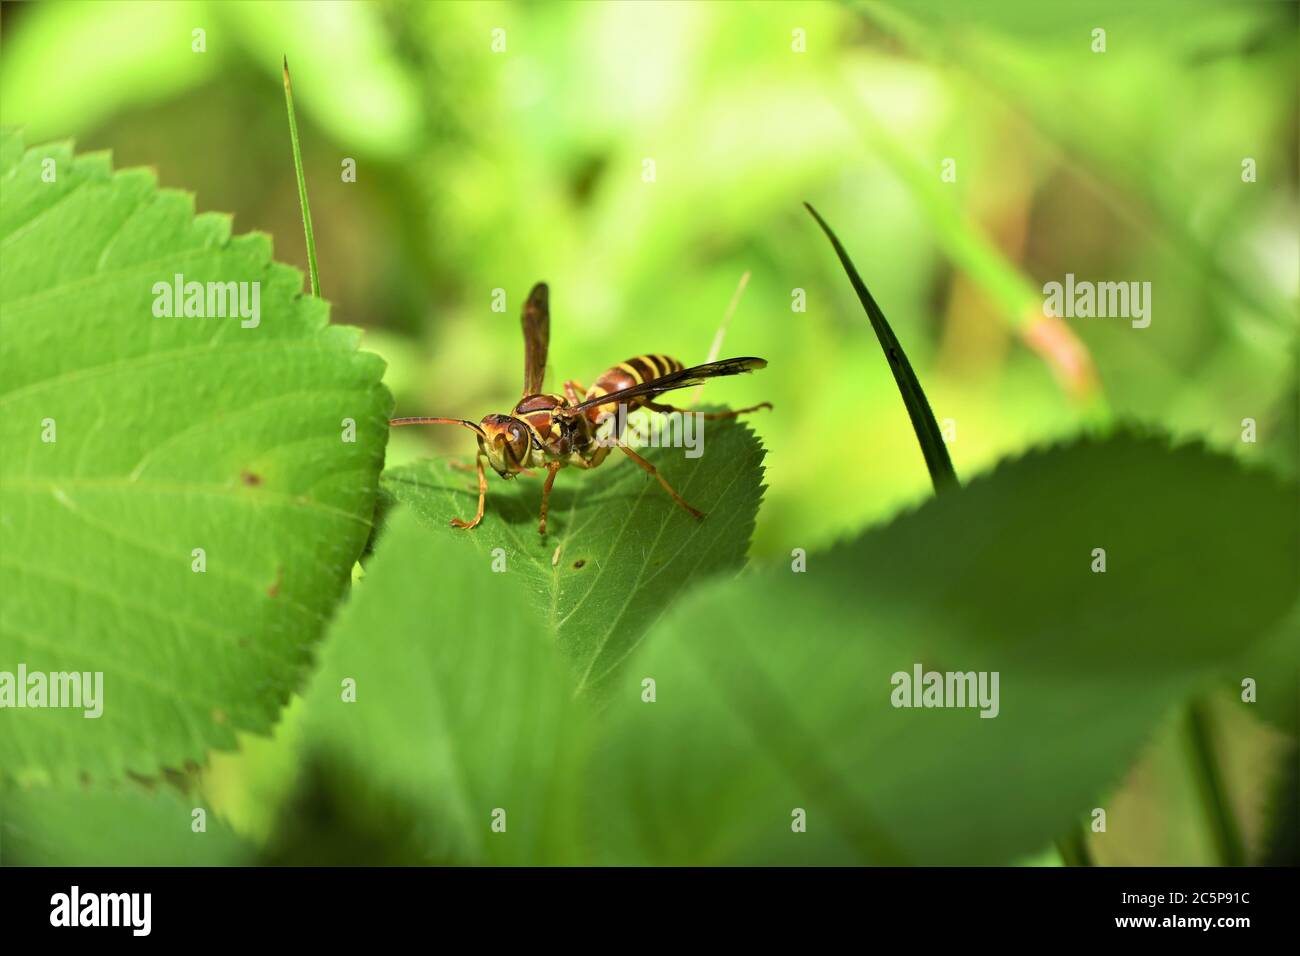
(709, 416)
(660, 478)
(573, 392)
(551, 471)
(482, 495)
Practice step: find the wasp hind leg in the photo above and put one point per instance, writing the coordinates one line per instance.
(708, 416)
(482, 496)
(651, 469)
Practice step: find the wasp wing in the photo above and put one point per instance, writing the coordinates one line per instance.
(537, 337)
(683, 378)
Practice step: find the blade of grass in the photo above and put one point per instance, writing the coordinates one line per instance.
(918, 409)
(1073, 848)
(716, 349)
(1211, 786)
(312, 272)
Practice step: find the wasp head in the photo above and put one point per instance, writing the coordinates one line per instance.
(505, 441)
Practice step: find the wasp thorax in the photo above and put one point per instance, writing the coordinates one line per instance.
(506, 443)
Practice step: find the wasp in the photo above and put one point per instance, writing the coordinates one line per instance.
(549, 431)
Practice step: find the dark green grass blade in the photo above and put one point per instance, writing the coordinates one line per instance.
(918, 409)
(312, 272)
(1073, 848)
(1224, 826)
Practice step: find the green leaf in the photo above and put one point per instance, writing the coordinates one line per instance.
(774, 689)
(461, 707)
(169, 435)
(625, 550)
(125, 825)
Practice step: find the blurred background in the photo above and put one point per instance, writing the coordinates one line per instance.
(496, 145)
(478, 170)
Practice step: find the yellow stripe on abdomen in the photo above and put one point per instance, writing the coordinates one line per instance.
(647, 368)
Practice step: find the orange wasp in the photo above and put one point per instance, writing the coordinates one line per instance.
(550, 431)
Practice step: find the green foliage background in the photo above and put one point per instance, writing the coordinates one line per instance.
(479, 170)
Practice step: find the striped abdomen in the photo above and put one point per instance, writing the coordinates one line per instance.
(635, 371)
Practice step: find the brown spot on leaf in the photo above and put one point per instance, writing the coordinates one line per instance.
(579, 563)
(274, 589)
(251, 479)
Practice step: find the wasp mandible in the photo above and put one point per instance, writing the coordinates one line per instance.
(551, 431)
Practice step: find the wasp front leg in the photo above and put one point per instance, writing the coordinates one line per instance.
(482, 497)
(551, 470)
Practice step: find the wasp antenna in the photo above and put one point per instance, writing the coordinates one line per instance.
(396, 422)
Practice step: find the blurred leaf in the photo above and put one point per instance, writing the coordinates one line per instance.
(625, 550)
(461, 706)
(172, 434)
(787, 702)
(123, 826)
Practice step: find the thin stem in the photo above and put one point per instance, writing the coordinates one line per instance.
(313, 273)
(1210, 785)
(716, 349)
(918, 409)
